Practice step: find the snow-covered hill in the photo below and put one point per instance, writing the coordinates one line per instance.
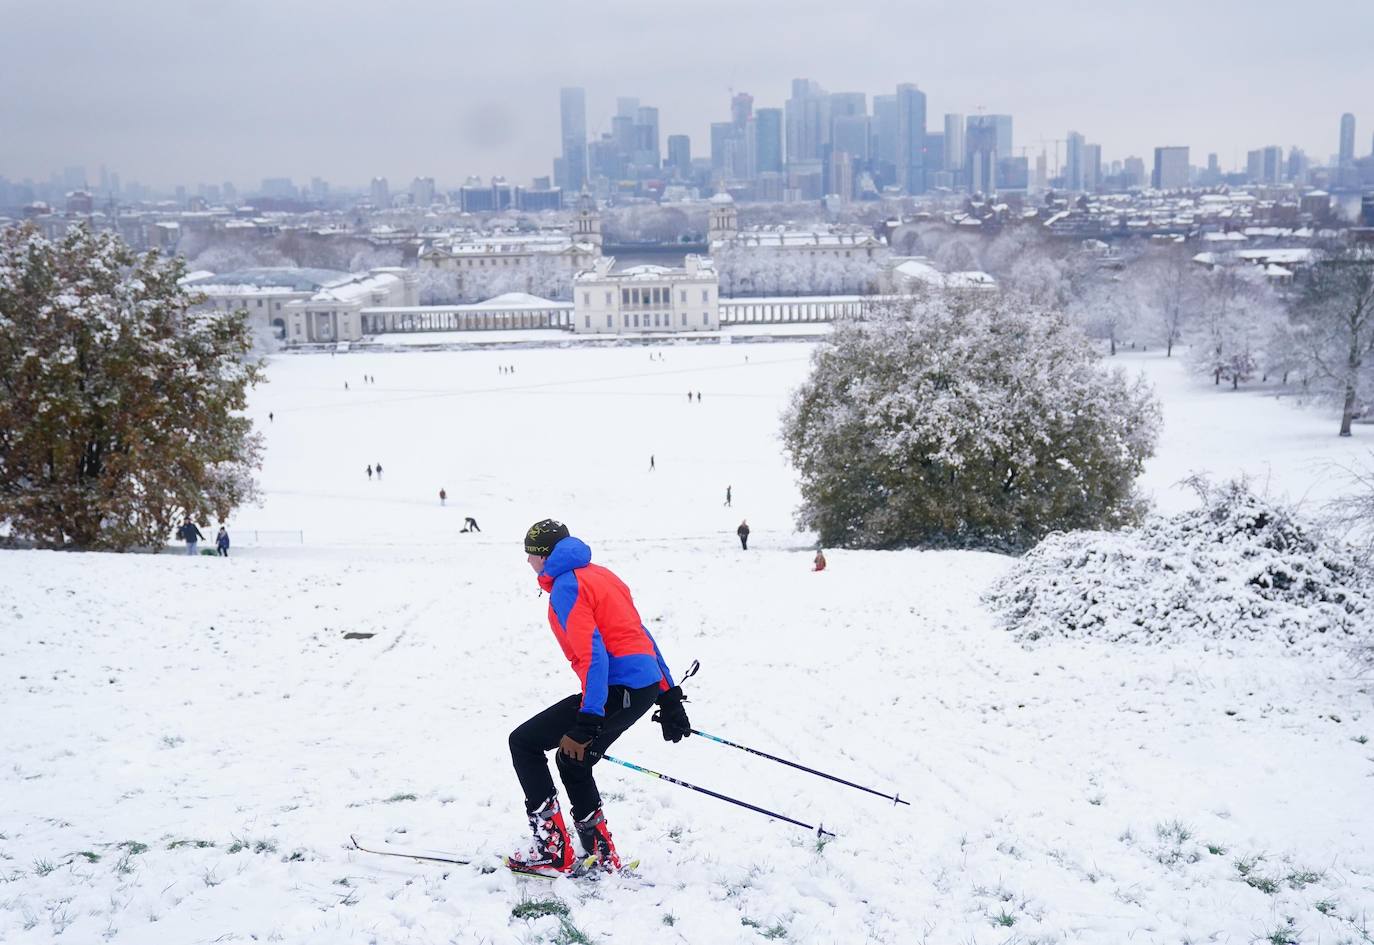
(189, 742)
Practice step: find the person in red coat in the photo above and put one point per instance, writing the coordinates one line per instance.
(623, 675)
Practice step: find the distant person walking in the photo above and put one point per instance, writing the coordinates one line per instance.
(727, 497)
(379, 472)
(190, 534)
(222, 543)
(819, 562)
(470, 524)
(698, 396)
(743, 533)
(651, 462)
(269, 416)
(345, 385)
(443, 497)
(369, 472)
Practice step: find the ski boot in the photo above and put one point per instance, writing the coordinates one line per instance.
(552, 849)
(596, 841)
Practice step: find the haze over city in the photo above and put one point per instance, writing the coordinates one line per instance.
(172, 93)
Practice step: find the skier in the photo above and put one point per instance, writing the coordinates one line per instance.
(623, 675)
(190, 534)
(443, 496)
(369, 472)
(222, 543)
(727, 497)
(743, 533)
(470, 524)
(819, 561)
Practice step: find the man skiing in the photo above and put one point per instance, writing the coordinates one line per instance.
(623, 675)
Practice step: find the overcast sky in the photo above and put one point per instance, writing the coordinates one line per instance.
(184, 91)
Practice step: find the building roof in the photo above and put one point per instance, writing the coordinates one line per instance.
(512, 243)
(282, 277)
(357, 288)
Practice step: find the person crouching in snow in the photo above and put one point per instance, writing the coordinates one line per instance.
(623, 675)
(819, 561)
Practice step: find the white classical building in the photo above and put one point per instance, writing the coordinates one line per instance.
(837, 242)
(334, 313)
(537, 258)
(262, 292)
(646, 298)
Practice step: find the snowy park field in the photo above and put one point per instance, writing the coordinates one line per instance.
(189, 742)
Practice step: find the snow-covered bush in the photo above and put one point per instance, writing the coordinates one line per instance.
(1239, 567)
(965, 422)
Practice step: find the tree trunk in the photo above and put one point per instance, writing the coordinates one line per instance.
(1348, 409)
(1169, 346)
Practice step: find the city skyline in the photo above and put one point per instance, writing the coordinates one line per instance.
(168, 119)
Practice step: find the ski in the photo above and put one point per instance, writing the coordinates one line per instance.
(584, 869)
(425, 856)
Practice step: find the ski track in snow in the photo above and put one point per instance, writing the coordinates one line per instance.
(171, 702)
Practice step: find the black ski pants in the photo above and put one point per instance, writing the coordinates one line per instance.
(542, 733)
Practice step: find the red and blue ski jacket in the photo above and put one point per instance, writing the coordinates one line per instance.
(595, 621)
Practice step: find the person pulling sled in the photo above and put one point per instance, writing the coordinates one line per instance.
(623, 675)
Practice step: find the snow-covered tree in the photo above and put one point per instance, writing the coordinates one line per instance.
(1168, 292)
(1107, 308)
(120, 408)
(1335, 314)
(1235, 309)
(968, 422)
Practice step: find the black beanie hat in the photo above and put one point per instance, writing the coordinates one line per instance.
(542, 536)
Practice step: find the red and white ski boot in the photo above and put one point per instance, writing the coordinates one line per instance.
(552, 850)
(596, 841)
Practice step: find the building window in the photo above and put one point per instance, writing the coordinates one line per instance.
(636, 320)
(259, 303)
(684, 296)
(658, 300)
(609, 296)
(624, 296)
(706, 296)
(706, 319)
(610, 321)
(589, 321)
(684, 319)
(586, 298)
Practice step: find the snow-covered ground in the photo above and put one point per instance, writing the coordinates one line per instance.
(189, 742)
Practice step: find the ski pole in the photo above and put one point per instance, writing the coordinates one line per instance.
(692, 671)
(792, 764)
(820, 830)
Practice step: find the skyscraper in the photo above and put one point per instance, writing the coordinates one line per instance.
(646, 152)
(804, 116)
(1171, 168)
(885, 130)
(1003, 125)
(980, 153)
(1347, 152)
(680, 154)
(1092, 168)
(741, 109)
(954, 143)
(911, 138)
(1073, 162)
(573, 115)
(381, 193)
(768, 140)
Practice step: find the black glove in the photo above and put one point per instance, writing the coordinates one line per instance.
(586, 727)
(672, 716)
